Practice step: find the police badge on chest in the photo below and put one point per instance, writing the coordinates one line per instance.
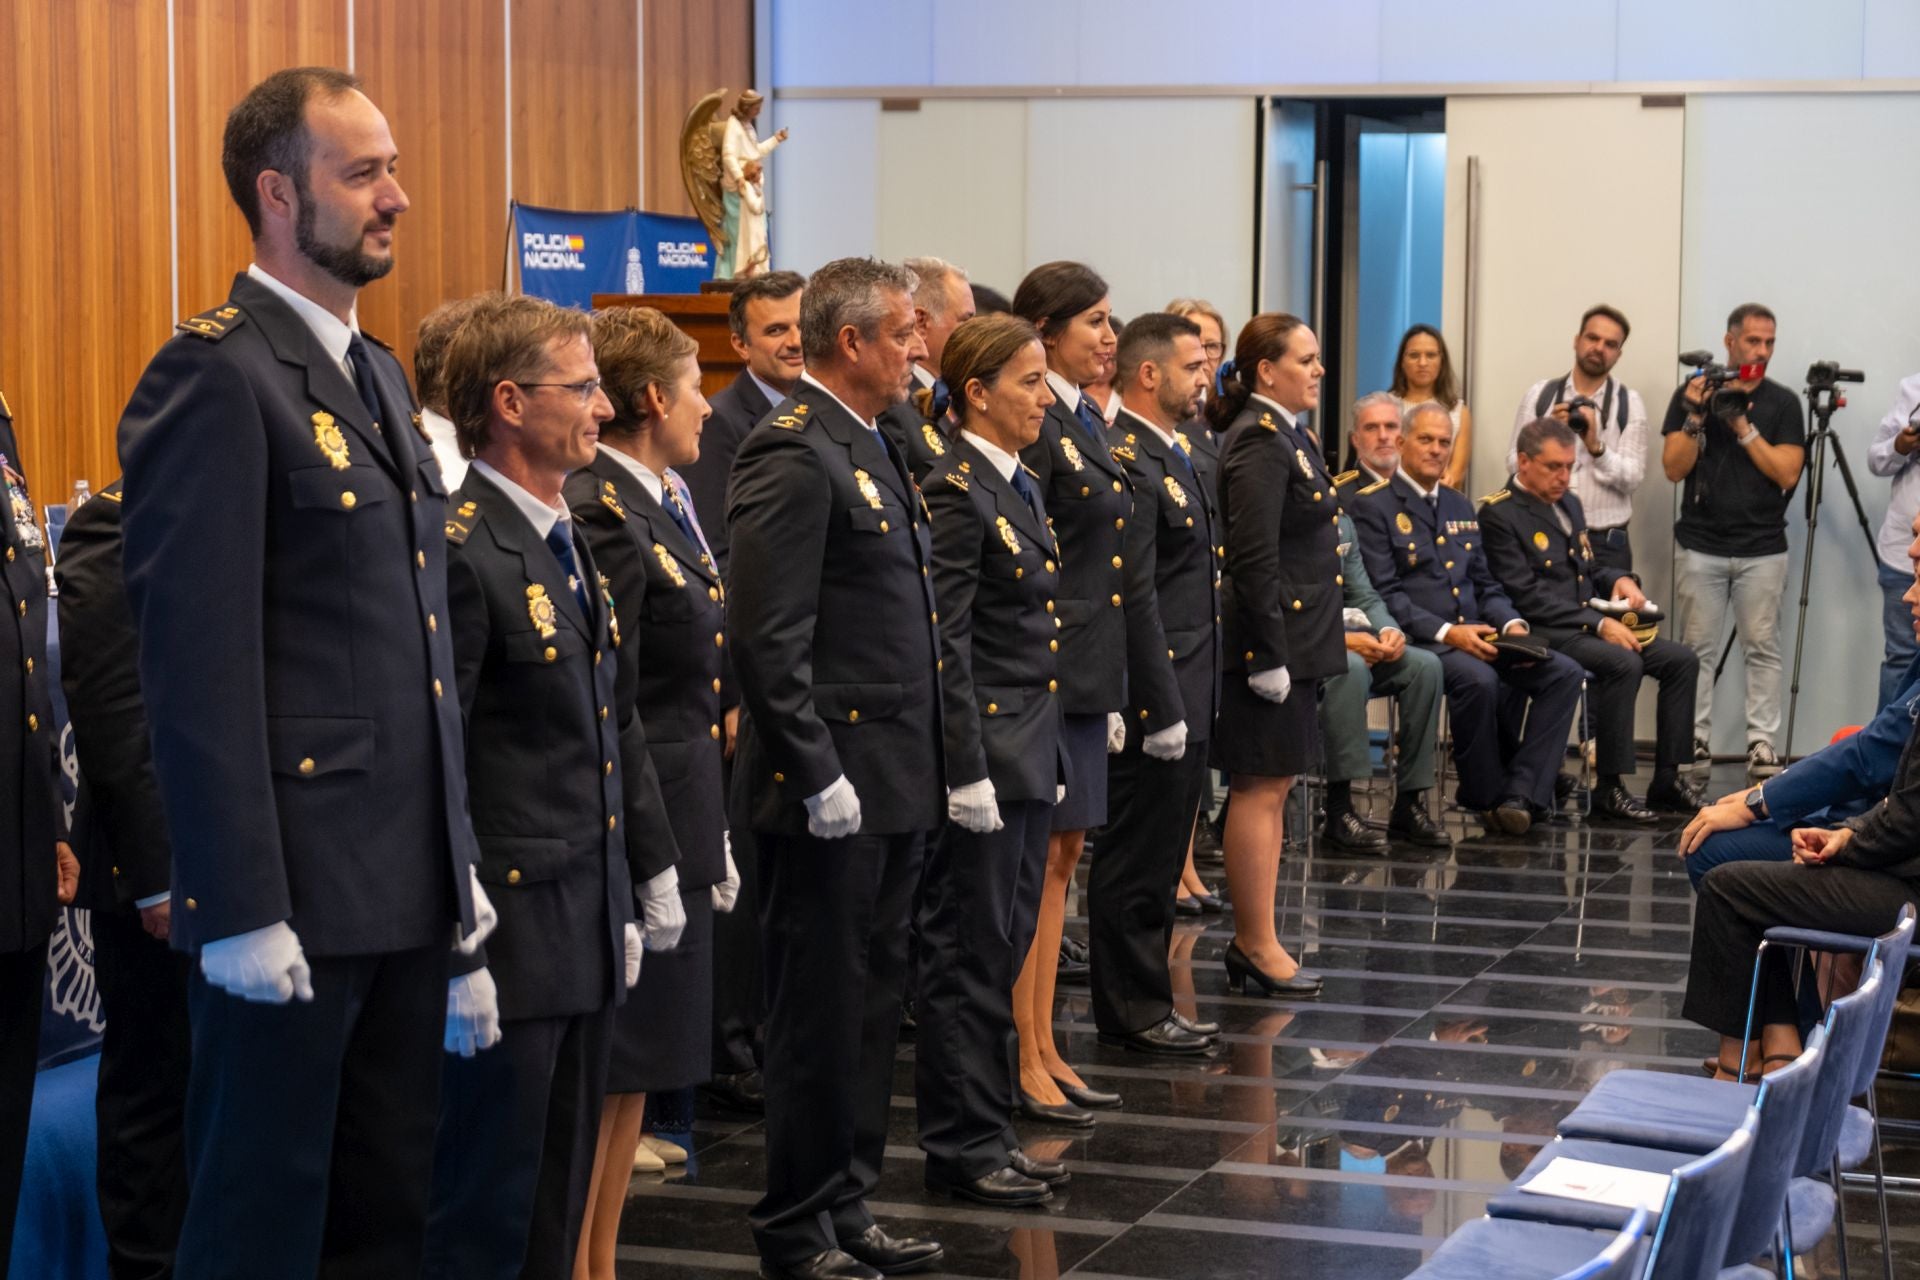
(21, 506)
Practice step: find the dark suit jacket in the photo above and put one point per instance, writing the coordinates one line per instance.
(924, 442)
(537, 684)
(31, 818)
(1282, 592)
(1850, 775)
(736, 411)
(1430, 569)
(1887, 836)
(1203, 446)
(672, 608)
(119, 829)
(1547, 572)
(832, 623)
(1088, 499)
(996, 569)
(1173, 634)
(287, 569)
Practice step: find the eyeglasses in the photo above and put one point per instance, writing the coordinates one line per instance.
(583, 390)
(1214, 350)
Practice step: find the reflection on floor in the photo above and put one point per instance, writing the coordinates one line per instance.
(1471, 998)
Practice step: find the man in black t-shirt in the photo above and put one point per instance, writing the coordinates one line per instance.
(1740, 466)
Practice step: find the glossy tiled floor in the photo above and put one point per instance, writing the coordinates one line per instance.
(1471, 998)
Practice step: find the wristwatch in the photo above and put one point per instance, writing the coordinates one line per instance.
(1757, 803)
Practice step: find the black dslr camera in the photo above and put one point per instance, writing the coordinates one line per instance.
(1580, 414)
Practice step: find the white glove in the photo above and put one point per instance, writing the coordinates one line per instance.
(485, 918)
(635, 949)
(473, 1013)
(662, 914)
(835, 813)
(1168, 744)
(974, 808)
(1060, 793)
(264, 965)
(1273, 685)
(1116, 733)
(727, 892)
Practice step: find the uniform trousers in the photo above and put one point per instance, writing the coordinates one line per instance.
(513, 1154)
(739, 999)
(834, 918)
(141, 1103)
(1740, 901)
(23, 977)
(1414, 679)
(310, 1124)
(1615, 675)
(979, 902)
(1130, 890)
(1509, 726)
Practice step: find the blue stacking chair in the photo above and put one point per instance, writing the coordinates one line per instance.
(1489, 1249)
(1778, 1127)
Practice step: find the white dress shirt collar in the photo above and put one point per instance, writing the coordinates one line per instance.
(1427, 494)
(541, 516)
(773, 394)
(334, 336)
(922, 377)
(1065, 392)
(1002, 461)
(640, 471)
(867, 423)
(1165, 436)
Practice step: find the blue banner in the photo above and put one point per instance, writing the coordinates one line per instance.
(567, 257)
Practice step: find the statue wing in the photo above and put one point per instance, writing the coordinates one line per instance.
(700, 160)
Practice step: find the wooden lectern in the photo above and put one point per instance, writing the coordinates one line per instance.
(702, 317)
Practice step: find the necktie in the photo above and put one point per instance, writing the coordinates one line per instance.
(1096, 425)
(560, 542)
(678, 510)
(363, 377)
(941, 398)
(1180, 452)
(1024, 487)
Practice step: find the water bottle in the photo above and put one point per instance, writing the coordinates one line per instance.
(81, 492)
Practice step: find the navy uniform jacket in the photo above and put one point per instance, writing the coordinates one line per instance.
(537, 683)
(31, 818)
(996, 569)
(1203, 446)
(1086, 495)
(736, 410)
(1282, 589)
(1173, 636)
(287, 569)
(921, 440)
(119, 828)
(1546, 571)
(832, 623)
(671, 608)
(1430, 568)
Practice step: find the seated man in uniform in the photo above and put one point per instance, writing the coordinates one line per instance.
(1536, 542)
(1423, 554)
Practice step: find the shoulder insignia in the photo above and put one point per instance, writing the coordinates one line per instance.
(1122, 452)
(801, 409)
(965, 465)
(1375, 487)
(957, 480)
(1498, 495)
(1346, 477)
(4, 411)
(468, 508)
(378, 342)
(215, 324)
(457, 531)
(610, 499)
(789, 422)
(1131, 438)
(1266, 420)
(109, 495)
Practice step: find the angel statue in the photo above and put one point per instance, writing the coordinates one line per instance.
(720, 162)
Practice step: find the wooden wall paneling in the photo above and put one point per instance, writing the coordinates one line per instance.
(85, 277)
(437, 68)
(692, 47)
(222, 48)
(576, 110)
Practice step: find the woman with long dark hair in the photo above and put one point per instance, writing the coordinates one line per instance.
(1423, 371)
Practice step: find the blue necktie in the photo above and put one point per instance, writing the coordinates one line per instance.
(942, 397)
(560, 542)
(1180, 452)
(684, 514)
(1024, 487)
(1096, 425)
(678, 511)
(363, 377)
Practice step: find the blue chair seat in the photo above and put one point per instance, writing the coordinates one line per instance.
(1856, 1138)
(1515, 1204)
(1490, 1249)
(1746, 1271)
(1810, 1206)
(1660, 1109)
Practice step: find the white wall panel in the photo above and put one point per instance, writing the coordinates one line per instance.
(1742, 40)
(823, 203)
(1494, 41)
(1024, 42)
(1890, 35)
(867, 42)
(953, 184)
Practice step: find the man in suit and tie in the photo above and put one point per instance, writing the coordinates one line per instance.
(1422, 547)
(763, 324)
(834, 635)
(919, 426)
(286, 565)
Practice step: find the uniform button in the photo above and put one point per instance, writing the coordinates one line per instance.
(551, 653)
(192, 905)
(713, 593)
(596, 657)
(993, 708)
(513, 876)
(612, 822)
(414, 494)
(23, 608)
(1050, 566)
(29, 666)
(1222, 551)
(1116, 599)
(1116, 562)
(1456, 591)
(606, 770)
(437, 690)
(1143, 713)
(1449, 564)
(713, 731)
(347, 499)
(306, 765)
(1296, 605)
(1442, 539)
(934, 616)
(1049, 606)
(1249, 656)
(779, 777)
(33, 722)
(716, 684)
(1549, 565)
(9, 555)
(883, 526)
(1053, 646)
(1019, 572)
(1169, 653)
(923, 571)
(603, 715)
(420, 559)
(433, 623)
(116, 871)
(1189, 522)
(1085, 491)
(1317, 495)
(1339, 580)
(1116, 486)
(719, 639)
(1053, 686)
(853, 716)
(1120, 522)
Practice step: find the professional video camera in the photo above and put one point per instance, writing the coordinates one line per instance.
(1822, 374)
(1722, 401)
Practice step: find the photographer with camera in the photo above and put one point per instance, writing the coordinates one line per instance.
(1610, 422)
(1736, 438)
(1895, 452)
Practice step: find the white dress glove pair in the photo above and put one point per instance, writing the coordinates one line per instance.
(974, 808)
(662, 914)
(834, 814)
(1273, 685)
(264, 965)
(1168, 744)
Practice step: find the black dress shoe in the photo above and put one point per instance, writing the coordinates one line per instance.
(1190, 1024)
(1051, 1172)
(1071, 970)
(1415, 825)
(1617, 802)
(1046, 1113)
(1563, 785)
(1187, 906)
(833, 1264)
(1240, 968)
(738, 1091)
(1677, 796)
(1165, 1036)
(1344, 830)
(1003, 1188)
(1512, 817)
(891, 1257)
(1206, 842)
(1211, 903)
(1092, 1099)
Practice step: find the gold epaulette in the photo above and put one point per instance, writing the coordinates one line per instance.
(215, 324)
(1499, 495)
(460, 523)
(1346, 477)
(1122, 452)
(4, 411)
(1266, 420)
(110, 495)
(955, 479)
(610, 499)
(1375, 487)
(788, 421)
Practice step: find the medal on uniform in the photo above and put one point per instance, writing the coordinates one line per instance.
(24, 529)
(1174, 490)
(934, 445)
(613, 619)
(1539, 539)
(1403, 523)
(1586, 548)
(667, 562)
(867, 489)
(540, 609)
(1007, 534)
(1072, 450)
(1306, 468)
(327, 435)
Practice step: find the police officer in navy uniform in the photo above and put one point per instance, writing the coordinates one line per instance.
(286, 565)
(834, 635)
(120, 834)
(1173, 691)
(37, 869)
(920, 426)
(1538, 547)
(1423, 550)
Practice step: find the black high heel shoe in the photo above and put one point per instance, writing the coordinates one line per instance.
(1240, 968)
(1046, 1113)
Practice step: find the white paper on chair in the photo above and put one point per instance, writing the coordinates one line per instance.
(1600, 1184)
